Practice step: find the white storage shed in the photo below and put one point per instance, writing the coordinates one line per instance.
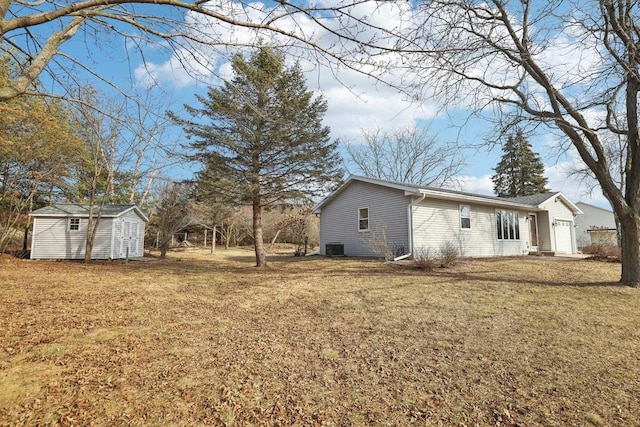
(60, 232)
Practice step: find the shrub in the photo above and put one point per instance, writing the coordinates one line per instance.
(425, 258)
(448, 254)
(379, 243)
(608, 253)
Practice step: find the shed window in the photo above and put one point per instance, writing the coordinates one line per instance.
(363, 219)
(507, 225)
(74, 224)
(465, 217)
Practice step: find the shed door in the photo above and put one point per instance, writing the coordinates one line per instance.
(563, 236)
(133, 240)
(125, 230)
(129, 238)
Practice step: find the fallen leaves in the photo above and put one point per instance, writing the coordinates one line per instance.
(316, 342)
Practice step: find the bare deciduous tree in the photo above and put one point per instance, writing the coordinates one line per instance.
(123, 155)
(407, 155)
(175, 211)
(185, 27)
(552, 64)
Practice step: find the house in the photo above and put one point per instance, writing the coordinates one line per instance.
(597, 226)
(60, 232)
(365, 212)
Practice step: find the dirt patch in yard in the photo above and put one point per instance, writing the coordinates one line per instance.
(208, 339)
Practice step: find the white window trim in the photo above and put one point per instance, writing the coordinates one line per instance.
(363, 230)
(516, 216)
(460, 206)
(70, 224)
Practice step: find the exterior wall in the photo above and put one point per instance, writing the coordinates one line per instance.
(604, 237)
(545, 240)
(387, 210)
(557, 210)
(52, 239)
(436, 222)
(593, 217)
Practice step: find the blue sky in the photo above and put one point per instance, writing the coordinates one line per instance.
(355, 102)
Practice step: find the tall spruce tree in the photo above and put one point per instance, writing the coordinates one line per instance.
(261, 138)
(520, 171)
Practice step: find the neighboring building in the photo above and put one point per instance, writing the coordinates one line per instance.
(596, 226)
(408, 218)
(60, 232)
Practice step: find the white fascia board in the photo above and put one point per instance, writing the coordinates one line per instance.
(60, 215)
(138, 211)
(390, 184)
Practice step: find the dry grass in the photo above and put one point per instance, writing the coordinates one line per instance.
(209, 340)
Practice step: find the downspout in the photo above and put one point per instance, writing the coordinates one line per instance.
(410, 207)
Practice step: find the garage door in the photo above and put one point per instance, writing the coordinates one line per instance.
(563, 236)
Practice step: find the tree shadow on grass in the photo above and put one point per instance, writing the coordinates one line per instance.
(292, 267)
(471, 277)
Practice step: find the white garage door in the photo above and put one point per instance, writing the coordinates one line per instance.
(563, 236)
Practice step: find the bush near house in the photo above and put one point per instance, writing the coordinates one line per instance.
(608, 253)
(428, 258)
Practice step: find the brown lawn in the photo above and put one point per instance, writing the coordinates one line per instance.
(210, 340)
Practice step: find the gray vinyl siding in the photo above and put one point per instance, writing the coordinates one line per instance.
(52, 239)
(436, 222)
(102, 241)
(387, 209)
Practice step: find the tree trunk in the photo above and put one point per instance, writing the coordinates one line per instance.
(25, 238)
(213, 240)
(261, 256)
(227, 236)
(163, 244)
(630, 233)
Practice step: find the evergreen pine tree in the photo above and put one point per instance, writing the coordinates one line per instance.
(520, 171)
(261, 138)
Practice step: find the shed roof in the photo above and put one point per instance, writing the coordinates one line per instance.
(79, 210)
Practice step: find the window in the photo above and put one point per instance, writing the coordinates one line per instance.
(507, 225)
(465, 217)
(363, 219)
(74, 224)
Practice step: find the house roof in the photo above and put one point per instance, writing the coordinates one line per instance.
(594, 207)
(78, 210)
(539, 199)
(526, 202)
(534, 199)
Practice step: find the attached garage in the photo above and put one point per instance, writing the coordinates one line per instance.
(563, 235)
(60, 232)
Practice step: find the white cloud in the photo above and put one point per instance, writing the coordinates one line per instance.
(182, 69)
(355, 100)
(562, 178)
(474, 184)
(350, 112)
